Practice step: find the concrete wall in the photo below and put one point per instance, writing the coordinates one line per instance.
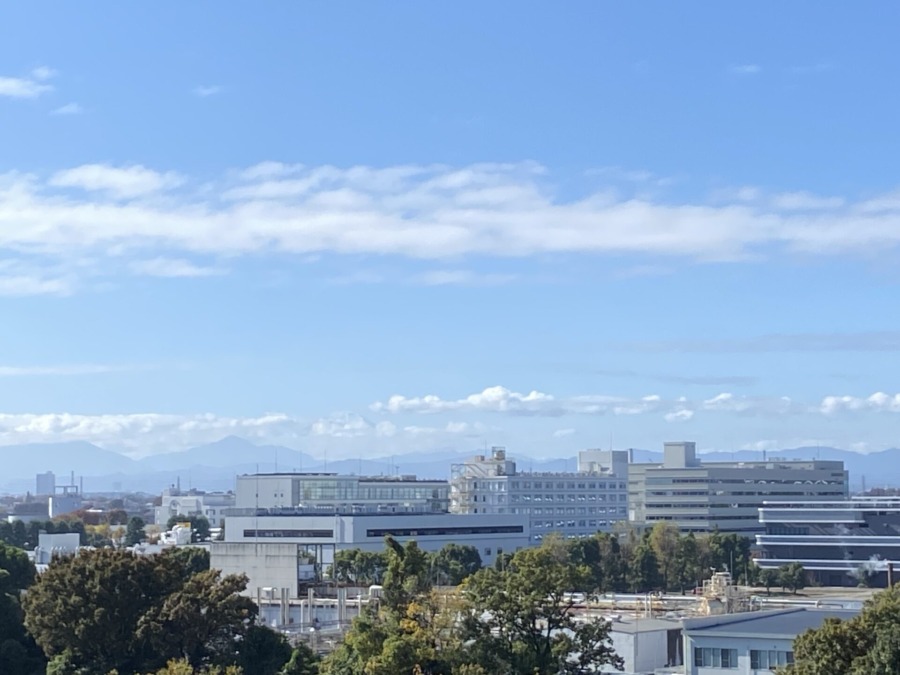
(266, 565)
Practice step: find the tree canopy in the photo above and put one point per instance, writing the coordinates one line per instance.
(19, 655)
(110, 609)
(868, 644)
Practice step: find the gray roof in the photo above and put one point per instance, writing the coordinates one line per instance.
(782, 623)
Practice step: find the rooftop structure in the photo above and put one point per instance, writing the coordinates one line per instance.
(839, 543)
(573, 504)
(211, 505)
(330, 491)
(749, 642)
(700, 496)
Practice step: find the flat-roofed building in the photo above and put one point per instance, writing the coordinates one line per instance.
(839, 543)
(330, 491)
(701, 496)
(292, 548)
(573, 504)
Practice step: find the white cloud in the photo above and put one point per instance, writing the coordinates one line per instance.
(878, 402)
(121, 182)
(172, 267)
(68, 109)
(31, 86)
(342, 425)
(64, 370)
(416, 211)
(746, 69)
(463, 278)
(205, 90)
(562, 433)
(20, 285)
(499, 399)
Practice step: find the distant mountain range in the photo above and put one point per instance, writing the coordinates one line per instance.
(214, 466)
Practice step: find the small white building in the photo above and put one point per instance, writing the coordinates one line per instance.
(211, 505)
(291, 549)
(751, 642)
(646, 645)
(52, 545)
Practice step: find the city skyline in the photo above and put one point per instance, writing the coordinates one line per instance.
(407, 228)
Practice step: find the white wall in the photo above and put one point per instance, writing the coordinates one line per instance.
(743, 647)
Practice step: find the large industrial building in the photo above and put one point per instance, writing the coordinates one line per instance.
(574, 504)
(839, 543)
(211, 505)
(701, 496)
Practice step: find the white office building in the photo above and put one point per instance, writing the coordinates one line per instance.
(292, 548)
(700, 496)
(573, 504)
(330, 491)
(751, 642)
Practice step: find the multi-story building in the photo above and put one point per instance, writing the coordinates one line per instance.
(292, 548)
(573, 504)
(330, 491)
(211, 505)
(45, 484)
(839, 543)
(699, 496)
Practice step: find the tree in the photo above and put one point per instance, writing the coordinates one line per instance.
(19, 655)
(664, 542)
(193, 559)
(792, 576)
(643, 572)
(768, 578)
(520, 619)
(262, 651)
(453, 563)
(182, 667)
(110, 609)
(134, 533)
(867, 644)
(686, 570)
(303, 661)
(407, 574)
(199, 526)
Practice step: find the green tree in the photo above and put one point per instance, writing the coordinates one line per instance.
(792, 577)
(643, 571)
(199, 526)
(110, 609)
(407, 574)
(520, 619)
(192, 559)
(303, 661)
(768, 578)
(664, 542)
(19, 534)
(262, 651)
(453, 563)
(134, 533)
(867, 644)
(686, 572)
(19, 655)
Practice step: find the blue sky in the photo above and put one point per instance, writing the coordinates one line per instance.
(375, 228)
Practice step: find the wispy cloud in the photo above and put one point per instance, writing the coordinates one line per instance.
(173, 267)
(425, 212)
(871, 341)
(119, 182)
(501, 400)
(31, 86)
(65, 370)
(68, 109)
(205, 90)
(746, 69)
(562, 433)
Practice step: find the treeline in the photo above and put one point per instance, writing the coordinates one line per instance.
(111, 611)
(106, 529)
(514, 618)
(660, 559)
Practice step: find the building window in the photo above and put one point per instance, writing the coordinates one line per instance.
(487, 551)
(761, 659)
(708, 657)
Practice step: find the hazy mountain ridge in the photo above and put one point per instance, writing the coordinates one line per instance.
(213, 466)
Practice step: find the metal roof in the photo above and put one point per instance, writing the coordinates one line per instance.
(784, 623)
